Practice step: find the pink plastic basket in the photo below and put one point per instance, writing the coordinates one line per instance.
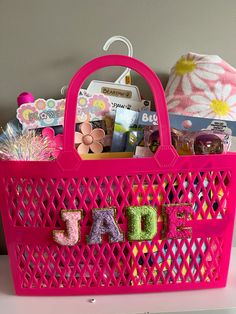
(34, 193)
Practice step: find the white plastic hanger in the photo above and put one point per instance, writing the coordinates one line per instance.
(64, 90)
(125, 77)
(124, 80)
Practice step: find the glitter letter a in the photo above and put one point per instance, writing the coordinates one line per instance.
(104, 223)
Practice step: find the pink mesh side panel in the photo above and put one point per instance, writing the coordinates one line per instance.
(34, 206)
(37, 202)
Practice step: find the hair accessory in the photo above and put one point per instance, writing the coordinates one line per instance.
(71, 236)
(142, 223)
(28, 145)
(55, 141)
(104, 223)
(89, 139)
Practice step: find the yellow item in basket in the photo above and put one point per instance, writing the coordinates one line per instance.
(106, 155)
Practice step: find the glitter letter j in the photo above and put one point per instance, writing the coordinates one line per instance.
(71, 235)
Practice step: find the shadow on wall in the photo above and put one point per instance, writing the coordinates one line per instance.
(145, 90)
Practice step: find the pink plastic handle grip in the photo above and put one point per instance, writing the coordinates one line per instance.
(107, 61)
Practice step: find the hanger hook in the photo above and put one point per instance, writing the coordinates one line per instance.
(64, 90)
(122, 78)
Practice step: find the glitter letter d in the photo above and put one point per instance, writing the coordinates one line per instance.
(142, 224)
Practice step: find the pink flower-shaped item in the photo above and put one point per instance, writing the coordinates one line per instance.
(24, 111)
(99, 105)
(56, 142)
(89, 139)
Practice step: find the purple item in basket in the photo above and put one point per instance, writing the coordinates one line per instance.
(205, 144)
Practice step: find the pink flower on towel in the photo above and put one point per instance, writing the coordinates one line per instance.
(219, 104)
(89, 139)
(192, 71)
(172, 102)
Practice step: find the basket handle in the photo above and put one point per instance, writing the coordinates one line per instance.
(107, 61)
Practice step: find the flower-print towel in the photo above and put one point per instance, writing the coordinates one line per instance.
(202, 86)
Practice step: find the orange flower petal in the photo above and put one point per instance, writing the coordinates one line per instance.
(86, 128)
(98, 134)
(78, 137)
(96, 147)
(83, 149)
